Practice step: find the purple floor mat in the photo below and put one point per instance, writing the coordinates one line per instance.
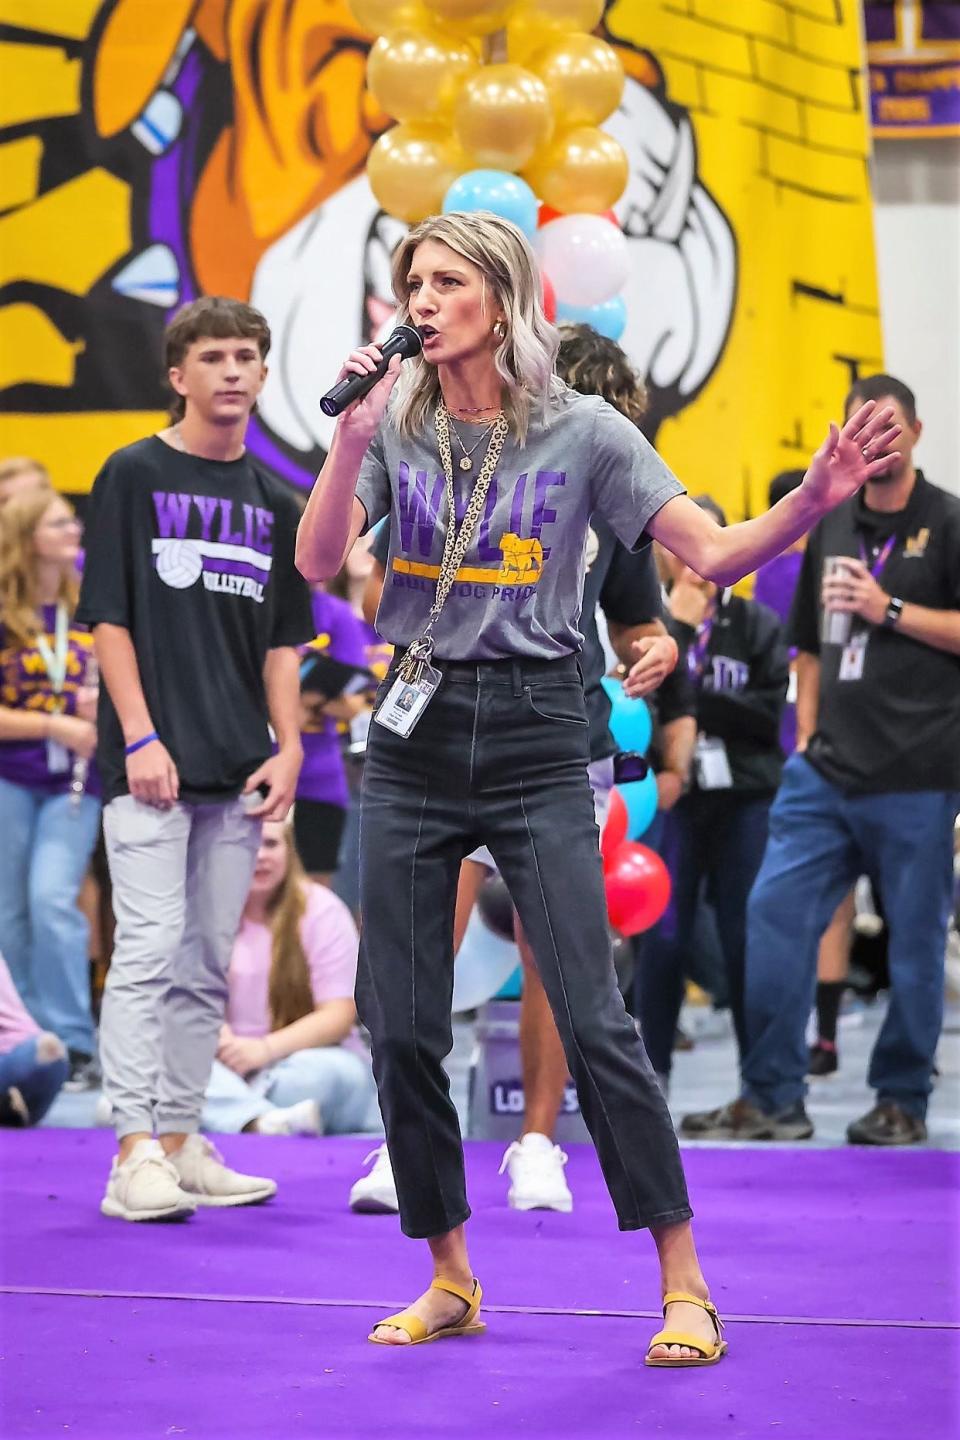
(251, 1322)
(135, 1370)
(833, 1234)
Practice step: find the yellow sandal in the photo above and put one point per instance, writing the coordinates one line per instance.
(406, 1320)
(709, 1353)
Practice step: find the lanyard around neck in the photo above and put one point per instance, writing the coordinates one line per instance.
(697, 651)
(881, 559)
(55, 660)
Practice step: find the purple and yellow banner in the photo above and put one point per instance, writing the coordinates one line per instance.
(913, 52)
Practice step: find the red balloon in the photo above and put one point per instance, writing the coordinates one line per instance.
(638, 888)
(615, 828)
(546, 213)
(549, 297)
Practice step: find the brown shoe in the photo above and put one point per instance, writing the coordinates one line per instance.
(741, 1120)
(887, 1124)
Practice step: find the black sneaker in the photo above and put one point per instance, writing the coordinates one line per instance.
(824, 1060)
(887, 1124)
(84, 1072)
(741, 1120)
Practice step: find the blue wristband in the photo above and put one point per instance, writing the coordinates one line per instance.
(139, 744)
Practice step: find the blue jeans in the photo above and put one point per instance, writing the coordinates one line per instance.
(337, 1078)
(47, 844)
(38, 1081)
(821, 839)
(712, 841)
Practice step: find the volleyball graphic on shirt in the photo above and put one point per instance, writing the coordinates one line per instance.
(179, 564)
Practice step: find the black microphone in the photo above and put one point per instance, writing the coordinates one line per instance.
(405, 341)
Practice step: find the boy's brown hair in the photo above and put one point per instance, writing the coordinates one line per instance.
(214, 317)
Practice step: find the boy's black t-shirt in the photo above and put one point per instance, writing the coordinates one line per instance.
(897, 728)
(194, 558)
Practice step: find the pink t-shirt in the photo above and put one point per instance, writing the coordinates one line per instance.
(15, 1024)
(330, 942)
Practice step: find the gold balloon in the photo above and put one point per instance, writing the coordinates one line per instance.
(417, 76)
(380, 17)
(502, 116)
(581, 171)
(471, 17)
(563, 14)
(411, 168)
(584, 77)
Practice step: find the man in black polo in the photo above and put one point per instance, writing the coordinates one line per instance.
(874, 787)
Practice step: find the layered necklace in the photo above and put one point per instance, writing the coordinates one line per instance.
(466, 456)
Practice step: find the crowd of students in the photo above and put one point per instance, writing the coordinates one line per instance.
(786, 768)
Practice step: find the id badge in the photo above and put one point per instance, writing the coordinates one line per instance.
(854, 656)
(58, 758)
(712, 764)
(406, 701)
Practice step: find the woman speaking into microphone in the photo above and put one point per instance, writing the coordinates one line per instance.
(490, 469)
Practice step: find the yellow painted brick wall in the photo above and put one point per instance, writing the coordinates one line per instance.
(776, 98)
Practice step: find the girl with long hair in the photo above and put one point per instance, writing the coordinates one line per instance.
(289, 1059)
(490, 469)
(49, 794)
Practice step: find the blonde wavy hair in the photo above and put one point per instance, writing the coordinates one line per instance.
(19, 603)
(524, 358)
(289, 991)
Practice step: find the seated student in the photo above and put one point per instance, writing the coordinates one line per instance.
(289, 1059)
(33, 1063)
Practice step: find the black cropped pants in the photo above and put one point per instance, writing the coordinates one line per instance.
(499, 758)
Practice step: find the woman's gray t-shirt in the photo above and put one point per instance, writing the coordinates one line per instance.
(519, 589)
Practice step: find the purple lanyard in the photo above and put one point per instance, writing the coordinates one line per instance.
(697, 651)
(881, 559)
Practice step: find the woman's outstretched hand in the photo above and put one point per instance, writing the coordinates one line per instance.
(851, 456)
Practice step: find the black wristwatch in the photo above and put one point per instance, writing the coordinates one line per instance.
(894, 611)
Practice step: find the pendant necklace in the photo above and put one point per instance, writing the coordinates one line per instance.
(466, 462)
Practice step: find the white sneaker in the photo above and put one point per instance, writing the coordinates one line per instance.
(537, 1181)
(301, 1119)
(145, 1187)
(376, 1193)
(209, 1182)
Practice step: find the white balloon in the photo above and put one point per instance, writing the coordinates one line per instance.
(585, 257)
(484, 963)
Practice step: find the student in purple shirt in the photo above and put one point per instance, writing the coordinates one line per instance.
(323, 794)
(49, 793)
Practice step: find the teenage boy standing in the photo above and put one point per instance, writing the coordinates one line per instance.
(190, 588)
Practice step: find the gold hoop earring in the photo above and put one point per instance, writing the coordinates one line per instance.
(500, 330)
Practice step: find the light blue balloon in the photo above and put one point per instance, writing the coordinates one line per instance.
(608, 318)
(630, 722)
(496, 190)
(640, 798)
